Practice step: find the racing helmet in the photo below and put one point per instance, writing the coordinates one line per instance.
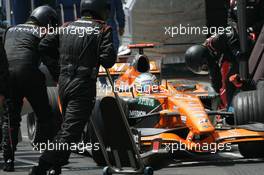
(98, 8)
(44, 16)
(196, 59)
(145, 83)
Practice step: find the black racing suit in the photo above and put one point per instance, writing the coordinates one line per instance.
(225, 49)
(3, 66)
(3, 76)
(80, 57)
(27, 81)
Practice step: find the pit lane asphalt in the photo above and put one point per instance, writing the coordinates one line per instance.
(226, 163)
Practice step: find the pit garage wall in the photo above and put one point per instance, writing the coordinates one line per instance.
(147, 19)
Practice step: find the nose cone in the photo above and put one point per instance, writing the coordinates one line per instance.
(202, 124)
(196, 117)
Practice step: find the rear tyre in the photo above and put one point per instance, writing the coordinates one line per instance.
(252, 149)
(96, 117)
(32, 126)
(249, 107)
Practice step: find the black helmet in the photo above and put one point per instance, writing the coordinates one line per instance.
(196, 59)
(44, 16)
(98, 8)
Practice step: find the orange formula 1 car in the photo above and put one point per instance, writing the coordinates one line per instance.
(172, 117)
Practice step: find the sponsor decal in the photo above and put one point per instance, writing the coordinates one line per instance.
(203, 120)
(146, 102)
(136, 113)
(183, 118)
(176, 108)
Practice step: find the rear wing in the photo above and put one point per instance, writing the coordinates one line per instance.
(124, 62)
(120, 68)
(141, 47)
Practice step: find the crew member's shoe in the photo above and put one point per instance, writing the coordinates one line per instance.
(9, 166)
(54, 171)
(37, 170)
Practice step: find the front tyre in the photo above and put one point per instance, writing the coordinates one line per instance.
(252, 149)
(249, 107)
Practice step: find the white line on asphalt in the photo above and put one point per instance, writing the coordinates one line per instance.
(237, 155)
(26, 161)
